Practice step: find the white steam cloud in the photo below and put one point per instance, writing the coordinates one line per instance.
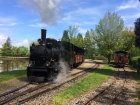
(49, 10)
(62, 76)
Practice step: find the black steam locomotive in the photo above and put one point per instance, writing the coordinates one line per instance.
(45, 58)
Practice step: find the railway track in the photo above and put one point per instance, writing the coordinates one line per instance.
(27, 92)
(108, 95)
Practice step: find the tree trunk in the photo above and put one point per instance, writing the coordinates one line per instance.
(109, 57)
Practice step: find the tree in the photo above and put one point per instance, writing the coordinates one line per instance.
(23, 51)
(107, 33)
(72, 31)
(137, 32)
(20, 51)
(89, 45)
(126, 40)
(6, 48)
(80, 40)
(14, 51)
(65, 36)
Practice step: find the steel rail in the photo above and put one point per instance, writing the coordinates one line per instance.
(102, 91)
(53, 88)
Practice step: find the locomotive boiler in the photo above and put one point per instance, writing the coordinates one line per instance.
(45, 57)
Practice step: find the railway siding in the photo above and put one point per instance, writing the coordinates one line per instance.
(117, 90)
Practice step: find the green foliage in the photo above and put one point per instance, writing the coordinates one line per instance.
(6, 47)
(5, 76)
(134, 51)
(88, 83)
(137, 32)
(126, 40)
(107, 33)
(77, 39)
(21, 51)
(65, 36)
(99, 58)
(72, 31)
(89, 45)
(9, 50)
(134, 61)
(80, 41)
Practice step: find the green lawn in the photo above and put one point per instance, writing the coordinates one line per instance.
(93, 80)
(5, 76)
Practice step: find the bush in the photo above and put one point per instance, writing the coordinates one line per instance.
(100, 58)
(134, 62)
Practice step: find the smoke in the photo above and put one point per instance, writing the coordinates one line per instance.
(48, 10)
(64, 70)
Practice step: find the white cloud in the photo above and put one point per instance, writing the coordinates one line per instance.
(128, 5)
(8, 21)
(13, 24)
(25, 43)
(82, 16)
(38, 25)
(131, 16)
(82, 30)
(2, 39)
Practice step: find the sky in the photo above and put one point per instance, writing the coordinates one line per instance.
(22, 20)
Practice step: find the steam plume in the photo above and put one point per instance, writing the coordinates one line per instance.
(63, 71)
(48, 9)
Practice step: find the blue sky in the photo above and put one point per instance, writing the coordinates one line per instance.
(22, 20)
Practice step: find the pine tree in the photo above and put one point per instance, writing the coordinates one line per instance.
(65, 36)
(7, 48)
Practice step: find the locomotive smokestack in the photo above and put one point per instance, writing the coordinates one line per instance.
(43, 36)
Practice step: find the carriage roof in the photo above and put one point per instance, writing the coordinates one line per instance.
(124, 52)
(68, 46)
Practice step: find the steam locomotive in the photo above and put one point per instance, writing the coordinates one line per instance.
(120, 58)
(44, 59)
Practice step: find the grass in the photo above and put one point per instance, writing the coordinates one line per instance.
(5, 76)
(90, 82)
